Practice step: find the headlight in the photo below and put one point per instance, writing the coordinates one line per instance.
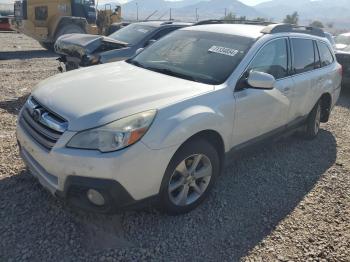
(116, 135)
(92, 59)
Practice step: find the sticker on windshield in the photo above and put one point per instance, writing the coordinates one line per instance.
(223, 50)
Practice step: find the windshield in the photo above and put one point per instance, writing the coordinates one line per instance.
(132, 34)
(204, 57)
(342, 39)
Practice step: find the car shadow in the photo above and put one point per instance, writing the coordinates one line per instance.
(13, 106)
(344, 99)
(259, 188)
(26, 54)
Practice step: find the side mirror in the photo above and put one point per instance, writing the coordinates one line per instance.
(261, 80)
(150, 42)
(139, 51)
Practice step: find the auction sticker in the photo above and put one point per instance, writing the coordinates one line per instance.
(223, 50)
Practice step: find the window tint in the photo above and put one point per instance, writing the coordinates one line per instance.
(272, 59)
(303, 55)
(164, 32)
(325, 53)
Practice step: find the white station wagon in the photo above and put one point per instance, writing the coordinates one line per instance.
(157, 126)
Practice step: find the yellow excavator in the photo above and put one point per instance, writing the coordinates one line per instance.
(46, 20)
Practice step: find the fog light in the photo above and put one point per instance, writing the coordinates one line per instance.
(95, 197)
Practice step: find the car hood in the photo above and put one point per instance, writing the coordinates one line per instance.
(97, 95)
(78, 45)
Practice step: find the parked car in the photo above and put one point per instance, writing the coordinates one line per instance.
(81, 50)
(342, 41)
(342, 53)
(157, 127)
(330, 38)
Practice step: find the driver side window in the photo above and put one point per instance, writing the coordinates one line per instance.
(272, 59)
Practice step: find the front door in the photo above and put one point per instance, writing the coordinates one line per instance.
(257, 111)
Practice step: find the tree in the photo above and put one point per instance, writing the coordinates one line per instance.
(230, 16)
(317, 24)
(330, 25)
(261, 19)
(292, 19)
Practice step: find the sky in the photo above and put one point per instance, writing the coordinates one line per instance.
(247, 2)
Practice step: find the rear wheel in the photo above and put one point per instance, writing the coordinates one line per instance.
(189, 177)
(313, 123)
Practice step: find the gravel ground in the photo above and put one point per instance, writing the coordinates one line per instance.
(287, 201)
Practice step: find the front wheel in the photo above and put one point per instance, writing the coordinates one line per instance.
(189, 177)
(313, 123)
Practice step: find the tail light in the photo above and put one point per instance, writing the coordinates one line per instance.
(340, 70)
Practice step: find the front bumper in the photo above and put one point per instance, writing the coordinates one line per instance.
(125, 177)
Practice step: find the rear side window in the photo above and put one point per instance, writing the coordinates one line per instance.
(325, 54)
(272, 59)
(303, 55)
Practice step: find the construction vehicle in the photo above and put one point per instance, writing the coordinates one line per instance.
(47, 20)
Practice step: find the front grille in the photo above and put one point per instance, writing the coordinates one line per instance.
(41, 124)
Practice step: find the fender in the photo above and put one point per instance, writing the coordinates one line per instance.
(183, 120)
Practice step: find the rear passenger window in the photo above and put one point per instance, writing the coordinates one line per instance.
(272, 59)
(303, 55)
(325, 53)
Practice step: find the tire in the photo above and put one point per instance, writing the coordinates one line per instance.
(312, 126)
(189, 177)
(69, 29)
(71, 66)
(47, 46)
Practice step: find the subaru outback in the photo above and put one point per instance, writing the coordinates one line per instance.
(157, 126)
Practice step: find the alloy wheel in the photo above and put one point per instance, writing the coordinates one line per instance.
(190, 180)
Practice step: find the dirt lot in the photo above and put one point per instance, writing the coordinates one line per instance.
(287, 201)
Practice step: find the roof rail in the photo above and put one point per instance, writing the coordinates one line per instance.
(233, 21)
(289, 28)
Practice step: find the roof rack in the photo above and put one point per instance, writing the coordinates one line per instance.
(289, 28)
(233, 21)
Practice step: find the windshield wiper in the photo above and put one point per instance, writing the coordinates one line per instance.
(172, 73)
(135, 63)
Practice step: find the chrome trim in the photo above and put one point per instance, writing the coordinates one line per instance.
(45, 117)
(44, 126)
(50, 122)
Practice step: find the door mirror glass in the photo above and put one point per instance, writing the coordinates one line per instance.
(261, 80)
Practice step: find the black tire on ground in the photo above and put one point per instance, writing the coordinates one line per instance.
(71, 66)
(69, 29)
(312, 126)
(188, 152)
(47, 46)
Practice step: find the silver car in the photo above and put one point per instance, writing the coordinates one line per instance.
(157, 127)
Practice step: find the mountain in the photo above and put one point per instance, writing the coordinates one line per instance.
(336, 11)
(147, 7)
(217, 9)
(186, 10)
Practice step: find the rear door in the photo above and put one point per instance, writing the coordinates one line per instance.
(258, 112)
(306, 77)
